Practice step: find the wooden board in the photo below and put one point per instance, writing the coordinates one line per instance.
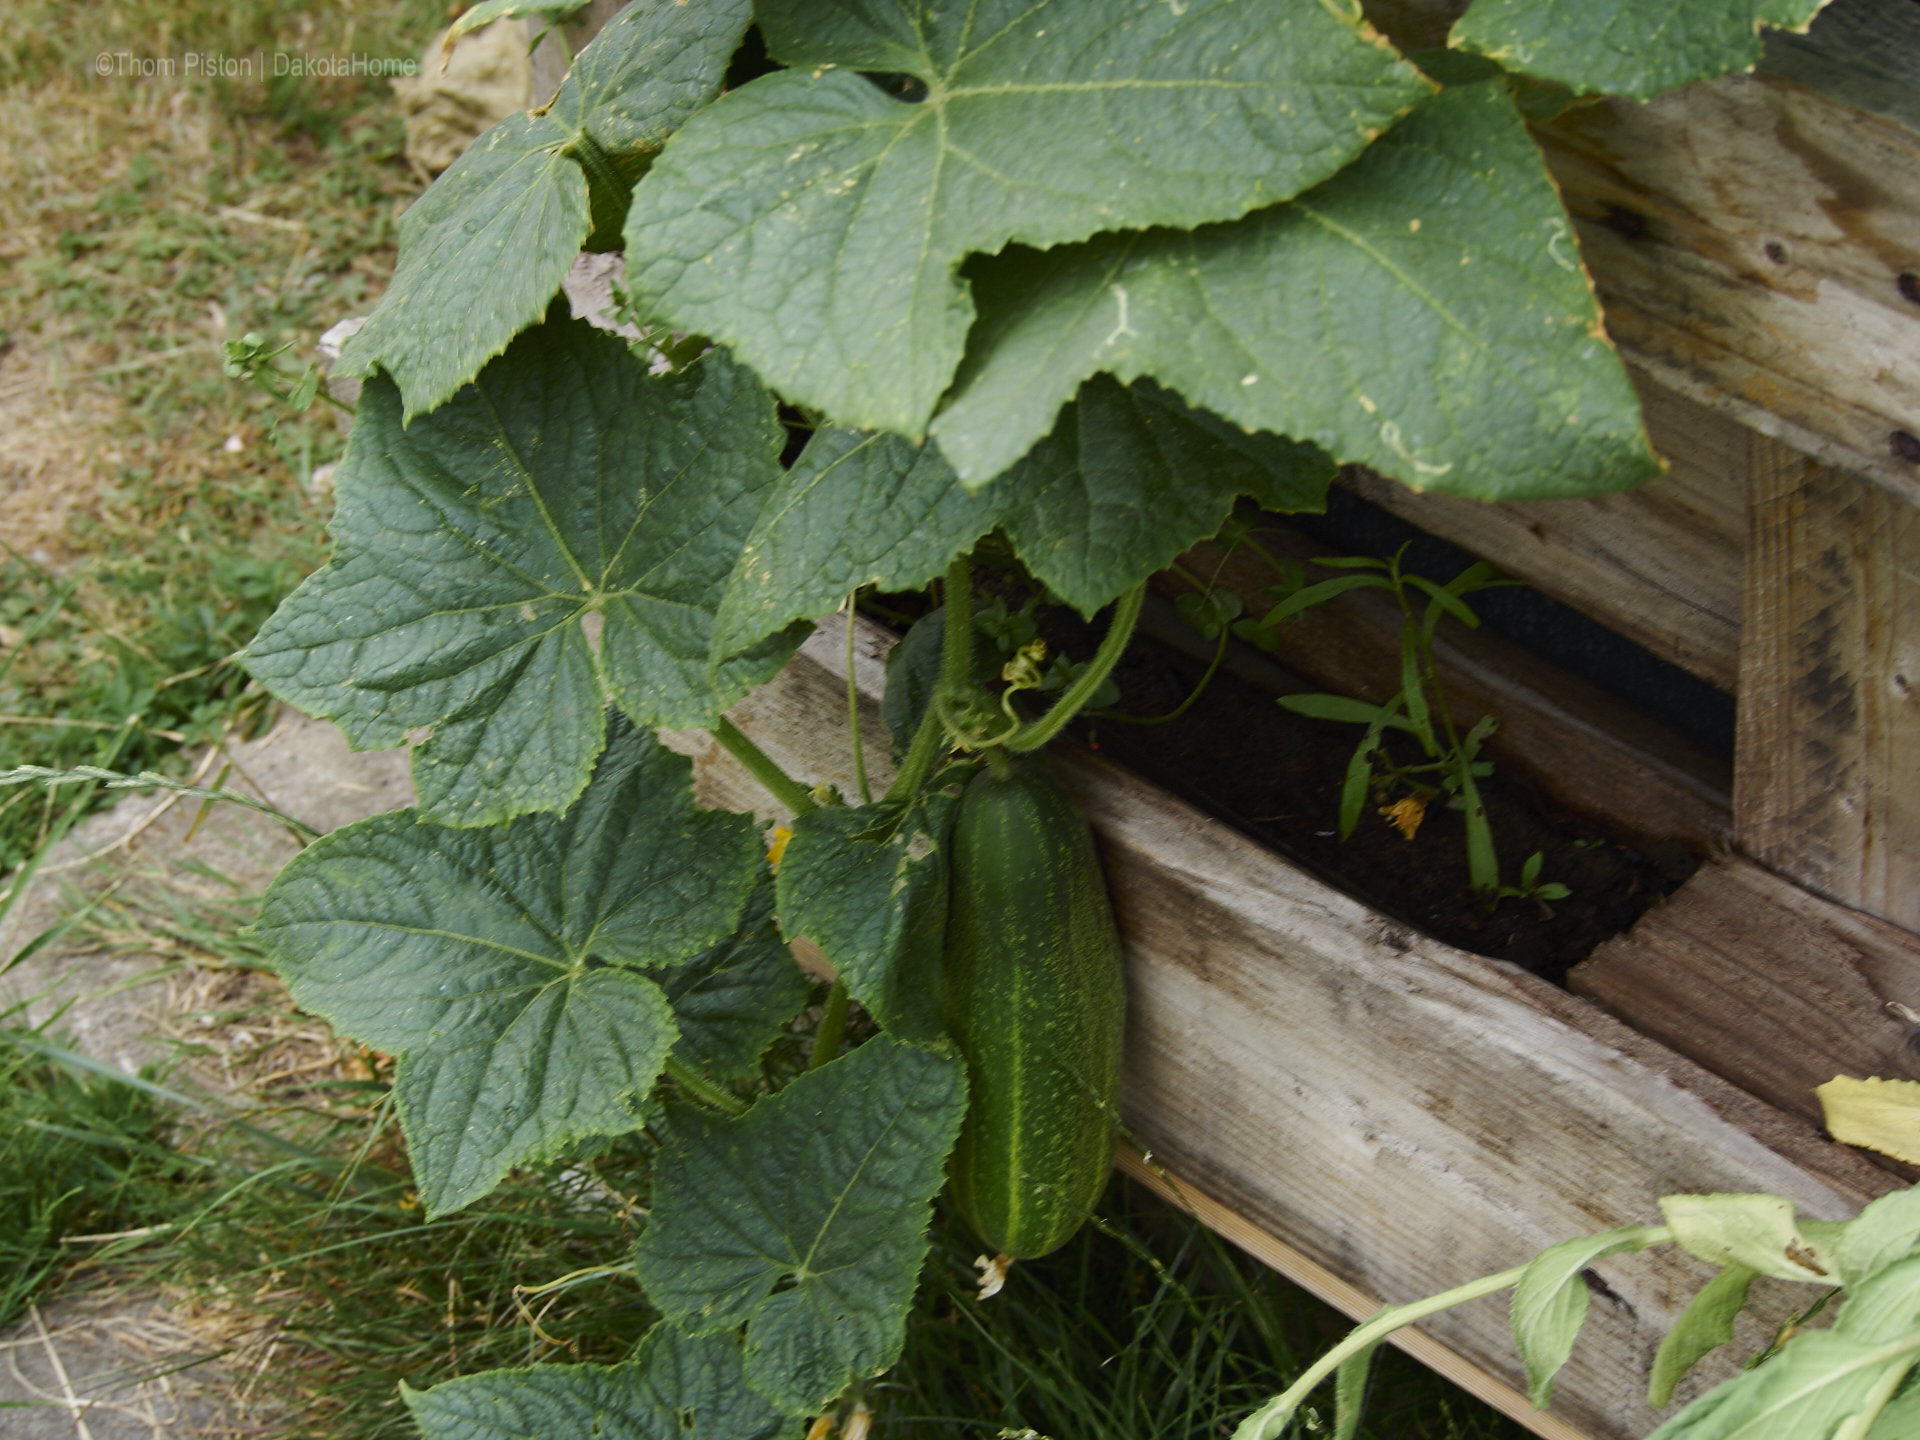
(1403, 1114)
(1660, 564)
(1581, 746)
(1864, 53)
(1764, 984)
(1828, 775)
(1747, 237)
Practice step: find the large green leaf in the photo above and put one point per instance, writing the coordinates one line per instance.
(495, 962)
(1901, 1419)
(815, 222)
(1760, 1232)
(1886, 1231)
(1819, 1380)
(472, 546)
(806, 1218)
(1550, 1303)
(675, 1387)
(1627, 47)
(1130, 478)
(869, 887)
(856, 509)
(1884, 1307)
(732, 999)
(485, 249)
(1424, 313)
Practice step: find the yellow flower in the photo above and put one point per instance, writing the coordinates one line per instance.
(1406, 814)
(781, 835)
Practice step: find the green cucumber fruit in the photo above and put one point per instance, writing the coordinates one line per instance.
(1031, 992)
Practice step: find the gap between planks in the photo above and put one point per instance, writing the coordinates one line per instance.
(1588, 750)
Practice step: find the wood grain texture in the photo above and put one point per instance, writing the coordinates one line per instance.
(1660, 564)
(1403, 1114)
(1747, 237)
(1764, 984)
(1864, 53)
(1581, 746)
(1827, 786)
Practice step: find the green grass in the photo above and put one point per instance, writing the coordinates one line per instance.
(1145, 1325)
(165, 509)
(79, 1155)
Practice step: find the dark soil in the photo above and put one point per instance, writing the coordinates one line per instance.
(1276, 777)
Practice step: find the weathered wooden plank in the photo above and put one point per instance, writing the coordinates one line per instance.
(1827, 787)
(1864, 53)
(1770, 987)
(1660, 564)
(1350, 1300)
(1747, 238)
(1590, 751)
(1405, 1115)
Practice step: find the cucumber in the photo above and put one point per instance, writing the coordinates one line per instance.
(1031, 992)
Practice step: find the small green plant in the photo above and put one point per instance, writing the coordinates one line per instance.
(1531, 887)
(1450, 762)
(250, 358)
(1849, 1382)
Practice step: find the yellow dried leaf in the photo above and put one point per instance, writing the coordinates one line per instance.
(1406, 814)
(1875, 1114)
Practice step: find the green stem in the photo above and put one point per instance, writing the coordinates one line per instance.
(853, 713)
(1126, 614)
(1270, 1419)
(787, 790)
(956, 649)
(572, 1278)
(112, 748)
(1219, 654)
(697, 1085)
(921, 757)
(1264, 553)
(833, 1022)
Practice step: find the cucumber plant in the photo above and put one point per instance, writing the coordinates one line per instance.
(1073, 275)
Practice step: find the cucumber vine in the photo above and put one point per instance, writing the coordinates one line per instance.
(1077, 276)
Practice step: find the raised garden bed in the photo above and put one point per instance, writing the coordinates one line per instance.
(1360, 1102)
(1379, 1111)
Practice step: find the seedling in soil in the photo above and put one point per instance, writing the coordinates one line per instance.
(1531, 887)
(1449, 762)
